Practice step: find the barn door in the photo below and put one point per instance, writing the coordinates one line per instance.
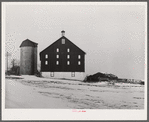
(63, 62)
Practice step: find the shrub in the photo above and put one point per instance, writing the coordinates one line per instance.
(38, 74)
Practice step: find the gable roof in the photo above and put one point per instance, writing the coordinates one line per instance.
(28, 42)
(58, 40)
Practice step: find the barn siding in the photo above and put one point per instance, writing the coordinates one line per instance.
(62, 67)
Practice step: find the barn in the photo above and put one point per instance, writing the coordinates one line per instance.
(63, 59)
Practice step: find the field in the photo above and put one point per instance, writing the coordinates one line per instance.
(34, 92)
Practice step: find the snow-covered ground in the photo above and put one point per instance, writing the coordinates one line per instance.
(35, 92)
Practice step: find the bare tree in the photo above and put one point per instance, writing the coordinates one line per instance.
(15, 70)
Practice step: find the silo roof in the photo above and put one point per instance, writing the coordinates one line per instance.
(28, 42)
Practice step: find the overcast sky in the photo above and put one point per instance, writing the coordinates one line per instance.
(113, 36)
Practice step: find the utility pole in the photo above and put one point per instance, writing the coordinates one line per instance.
(7, 61)
(7, 55)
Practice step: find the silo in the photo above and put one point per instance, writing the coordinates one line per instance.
(28, 57)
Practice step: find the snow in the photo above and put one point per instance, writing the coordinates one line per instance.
(33, 92)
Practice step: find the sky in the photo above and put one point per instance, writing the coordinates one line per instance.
(113, 36)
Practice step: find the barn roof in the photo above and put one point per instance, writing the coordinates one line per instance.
(58, 40)
(28, 42)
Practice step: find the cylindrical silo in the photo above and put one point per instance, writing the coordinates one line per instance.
(35, 60)
(28, 57)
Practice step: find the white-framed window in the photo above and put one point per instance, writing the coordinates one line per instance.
(52, 74)
(72, 74)
(79, 63)
(63, 41)
(68, 62)
(46, 62)
(57, 56)
(57, 50)
(79, 56)
(68, 50)
(46, 56)
(68, 56)
(57, 62)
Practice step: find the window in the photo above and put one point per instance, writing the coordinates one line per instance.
(68, 50)
(73, 74)
(63, 41)
(46, 56)
(57, 62)
(68, 62)
(79, 63)
(46, 62)
(57, 56)
(68, 56)
(57, 50)
(52, 74)
(79, 56)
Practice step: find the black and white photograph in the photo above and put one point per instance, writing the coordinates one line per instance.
(74, 60)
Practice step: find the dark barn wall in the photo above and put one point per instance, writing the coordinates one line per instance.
(62, 67)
